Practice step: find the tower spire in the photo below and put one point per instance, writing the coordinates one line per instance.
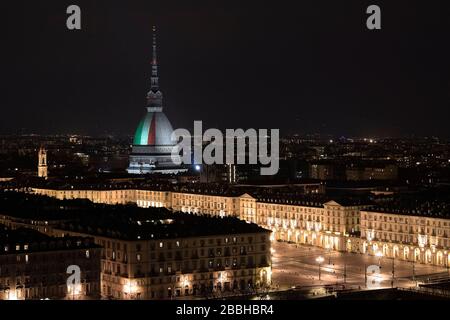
(154, 96)
(154, 78)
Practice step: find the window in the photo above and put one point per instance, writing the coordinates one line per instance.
(87, 254)
(138, 257)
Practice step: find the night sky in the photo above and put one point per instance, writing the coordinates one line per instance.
(301, 66)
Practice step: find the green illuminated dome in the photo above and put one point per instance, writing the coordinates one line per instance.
(154, 130)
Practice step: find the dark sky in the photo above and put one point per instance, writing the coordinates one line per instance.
(301, 66)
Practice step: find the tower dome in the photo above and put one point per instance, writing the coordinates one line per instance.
(154, 130)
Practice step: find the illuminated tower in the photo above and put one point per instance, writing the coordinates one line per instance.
(42, 163)
(153, 143)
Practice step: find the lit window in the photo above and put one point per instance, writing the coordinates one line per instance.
(138, 257)
(87, 254)
(161, 244)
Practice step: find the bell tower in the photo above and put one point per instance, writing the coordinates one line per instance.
(42, 163)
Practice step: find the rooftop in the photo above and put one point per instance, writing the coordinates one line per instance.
(119, 221)
(24, 240)
(431, 203)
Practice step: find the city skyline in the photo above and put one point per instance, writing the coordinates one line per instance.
(311, 70)
(211, 154)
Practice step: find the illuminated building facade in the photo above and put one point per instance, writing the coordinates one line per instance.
(333, 225)
(180, 267)
(406, 236)
(327, 224)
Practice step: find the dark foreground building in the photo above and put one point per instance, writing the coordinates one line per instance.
(34, 266)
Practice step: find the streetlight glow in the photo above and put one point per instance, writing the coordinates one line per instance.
(319, 260)
(379, 254)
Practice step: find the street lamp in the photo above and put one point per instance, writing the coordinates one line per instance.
(393, 271)
(379, 254)
(448, 264)
(130, 288)
(319, 260)
(345, 272)
(329, 254)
